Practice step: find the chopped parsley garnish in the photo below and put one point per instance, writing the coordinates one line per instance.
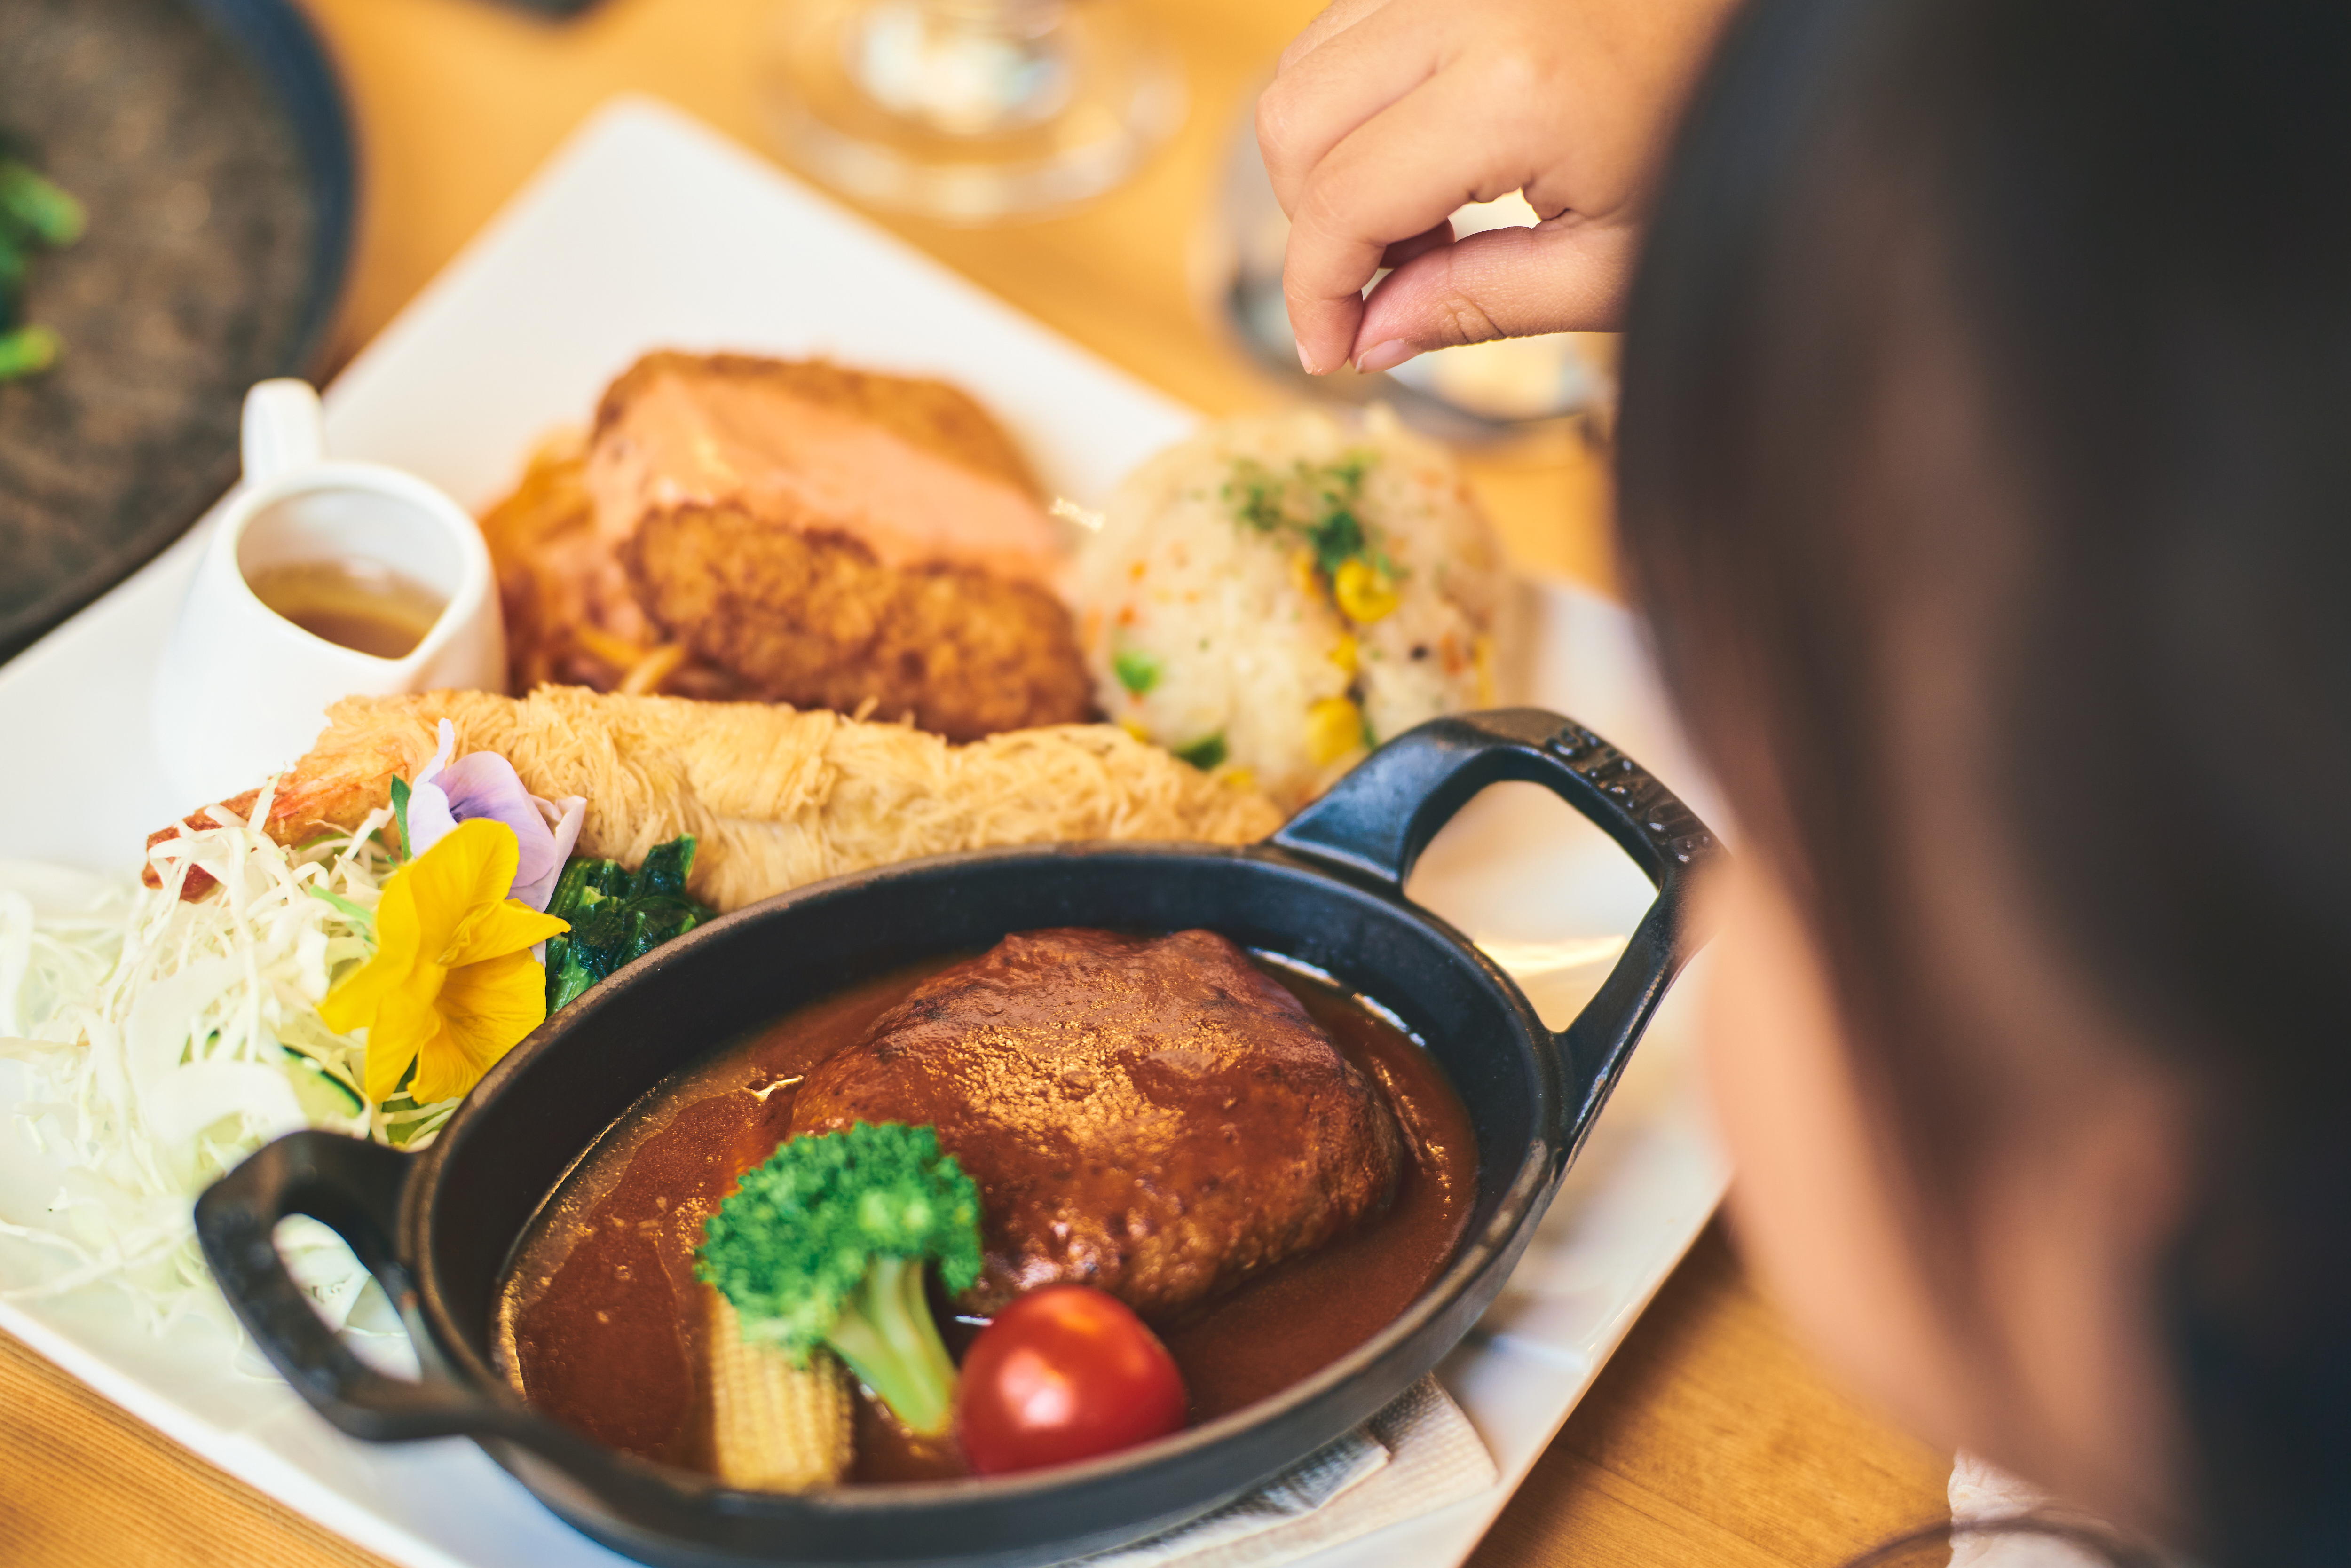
(1337, 537)
(1254, 492)
(1319, 505)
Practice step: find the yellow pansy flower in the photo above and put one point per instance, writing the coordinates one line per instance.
(453, 986)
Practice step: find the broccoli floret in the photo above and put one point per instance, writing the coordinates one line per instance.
(824, 1245)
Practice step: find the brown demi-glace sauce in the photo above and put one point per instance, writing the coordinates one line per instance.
(600, 1318)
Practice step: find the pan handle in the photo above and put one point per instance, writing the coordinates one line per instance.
(354, 1189)
(1372, 825)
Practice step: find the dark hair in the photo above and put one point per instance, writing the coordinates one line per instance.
(1987, 429)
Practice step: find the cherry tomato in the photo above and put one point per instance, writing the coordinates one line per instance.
(1062, 1375)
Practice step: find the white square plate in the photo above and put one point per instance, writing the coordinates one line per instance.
(647, 230)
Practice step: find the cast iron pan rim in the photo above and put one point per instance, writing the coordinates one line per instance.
(278, 43)
(1353, 850)
(1474, 1256)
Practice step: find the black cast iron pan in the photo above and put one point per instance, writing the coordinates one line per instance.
(437, 1228)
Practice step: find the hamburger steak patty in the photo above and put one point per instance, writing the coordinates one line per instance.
(1154, 1117)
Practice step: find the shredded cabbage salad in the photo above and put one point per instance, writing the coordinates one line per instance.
(147, 1045)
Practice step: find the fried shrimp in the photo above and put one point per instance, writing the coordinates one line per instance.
(776, 796)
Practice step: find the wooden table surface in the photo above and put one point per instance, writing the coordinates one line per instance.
(1710, 1439)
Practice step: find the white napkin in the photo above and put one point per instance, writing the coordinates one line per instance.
(1982, 1493)
(1415, 1457)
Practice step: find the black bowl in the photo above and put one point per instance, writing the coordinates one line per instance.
(438, 1229)
(137, 106)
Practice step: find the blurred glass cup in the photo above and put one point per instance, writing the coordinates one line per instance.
(968, 110)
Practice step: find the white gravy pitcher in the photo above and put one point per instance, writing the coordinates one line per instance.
(242, 691)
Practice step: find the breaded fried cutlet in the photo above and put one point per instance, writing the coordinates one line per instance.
(808, 616)
(796, 531)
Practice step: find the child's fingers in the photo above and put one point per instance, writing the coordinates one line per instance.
(1323, 324)
(1397, 175)
(1334, 19)
(1507, 283)
(1336, 325)
(1317, 103)
(1404, 250)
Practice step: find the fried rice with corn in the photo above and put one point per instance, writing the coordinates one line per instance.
(1279, 593)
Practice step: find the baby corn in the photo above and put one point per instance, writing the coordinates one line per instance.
(776, 1426)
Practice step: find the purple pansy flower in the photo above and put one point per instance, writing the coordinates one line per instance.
(484, 784)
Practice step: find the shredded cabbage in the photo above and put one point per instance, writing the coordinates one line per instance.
(157, 1042)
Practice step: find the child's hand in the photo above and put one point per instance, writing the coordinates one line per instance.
(1388, 114)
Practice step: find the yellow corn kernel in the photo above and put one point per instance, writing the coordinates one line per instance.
(1348, 653)
(1364, 592)
(1301, 570)
(1334, 726)
(774, 1426)
(1134, 727)
(1243, 778)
